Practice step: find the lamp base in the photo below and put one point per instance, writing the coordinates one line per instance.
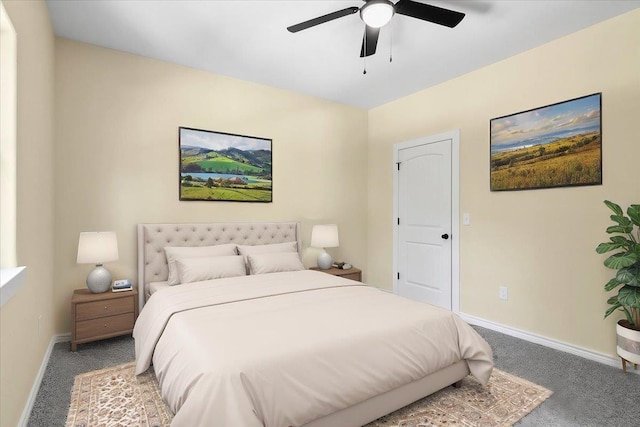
(324, 261)
(99, 280)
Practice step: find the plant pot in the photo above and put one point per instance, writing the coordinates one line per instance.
(628, 344)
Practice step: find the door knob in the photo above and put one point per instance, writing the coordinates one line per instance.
(445, 236)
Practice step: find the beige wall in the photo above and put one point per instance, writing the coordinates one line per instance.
(538, 243)
(117, 119)
(22, 349)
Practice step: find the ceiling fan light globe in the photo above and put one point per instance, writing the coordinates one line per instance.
(377, 13)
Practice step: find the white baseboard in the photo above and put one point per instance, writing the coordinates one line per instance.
(26, 412)
(548, 342)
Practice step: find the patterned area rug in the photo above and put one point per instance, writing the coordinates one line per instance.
(116, 397)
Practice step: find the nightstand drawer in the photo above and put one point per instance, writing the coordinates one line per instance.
(104, 326)
(109, 307)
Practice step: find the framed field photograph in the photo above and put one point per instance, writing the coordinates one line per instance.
(558, 145)
(224, 167)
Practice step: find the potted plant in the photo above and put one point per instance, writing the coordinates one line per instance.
(625, 240)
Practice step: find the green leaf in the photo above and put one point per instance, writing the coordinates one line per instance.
(613, 300)
(619, 239)
(606, 247)
(625, 275)
(634, 213)
(614, 207)
(619, 260)
(621, 220)
(633, 274)
(624, 229)
(611, 284)
(615, 305)
(629, 296)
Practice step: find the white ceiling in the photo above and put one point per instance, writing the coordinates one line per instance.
(248, 39)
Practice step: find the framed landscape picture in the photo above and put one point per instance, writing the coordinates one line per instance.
(225, 167)
(558, 145)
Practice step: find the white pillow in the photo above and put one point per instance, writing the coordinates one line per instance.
(174, 253)
(266, 249)
(274, 262)
(197, 269)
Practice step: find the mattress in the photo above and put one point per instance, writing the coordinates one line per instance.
(284, 349)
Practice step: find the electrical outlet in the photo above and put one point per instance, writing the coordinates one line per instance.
(503, 293)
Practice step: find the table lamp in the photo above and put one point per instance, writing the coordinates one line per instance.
(96, 248)
(324, 236)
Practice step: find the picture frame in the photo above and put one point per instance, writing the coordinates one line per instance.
(558, 145)
(219, 166)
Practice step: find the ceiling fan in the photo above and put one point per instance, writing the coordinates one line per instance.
(377, 13)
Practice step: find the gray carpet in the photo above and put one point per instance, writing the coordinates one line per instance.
(54, 396)
(586, 393)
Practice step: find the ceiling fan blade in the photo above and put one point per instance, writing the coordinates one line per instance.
(322, 19)
(369, 40)
(426, 12)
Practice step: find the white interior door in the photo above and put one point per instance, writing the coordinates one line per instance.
(424, 221)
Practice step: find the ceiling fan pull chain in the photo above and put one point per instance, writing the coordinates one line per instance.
(391, 42)
(364, 58)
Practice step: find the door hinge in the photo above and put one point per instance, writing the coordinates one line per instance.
(398, 163)
(398, 220)
(398, 276)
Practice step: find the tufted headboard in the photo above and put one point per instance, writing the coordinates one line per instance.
(152, 239)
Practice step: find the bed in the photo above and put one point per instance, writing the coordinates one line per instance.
(291, 347)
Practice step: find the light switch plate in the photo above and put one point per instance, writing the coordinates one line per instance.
(466, 219)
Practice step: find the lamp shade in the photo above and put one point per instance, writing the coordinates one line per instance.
(96, 247)
(325, 236)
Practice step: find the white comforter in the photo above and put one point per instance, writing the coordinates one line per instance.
(284, 349)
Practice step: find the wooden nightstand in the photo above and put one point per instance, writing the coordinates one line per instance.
(352, 273)
(99, 316)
